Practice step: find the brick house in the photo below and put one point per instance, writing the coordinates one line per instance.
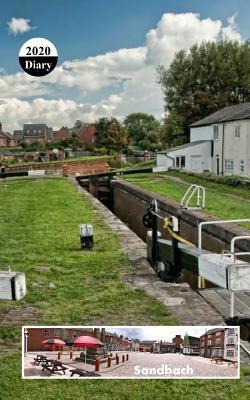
(212, 343)
(37, 133)
(147, 345)
(38, 335)
(178, 341)
(167, 347)
(61, 134)
(87, 135)
(193, 347)
(6, 139)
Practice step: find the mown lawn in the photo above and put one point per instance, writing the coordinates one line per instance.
(39, 224)
(13, 387)
(221, 200)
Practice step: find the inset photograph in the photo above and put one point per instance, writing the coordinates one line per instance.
(169, 352)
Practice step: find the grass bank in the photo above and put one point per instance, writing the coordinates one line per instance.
(221, 200)
(39, 224)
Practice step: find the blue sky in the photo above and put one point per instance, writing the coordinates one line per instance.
(114, 81)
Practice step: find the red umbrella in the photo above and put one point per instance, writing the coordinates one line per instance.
(87, 341)
(53, 343)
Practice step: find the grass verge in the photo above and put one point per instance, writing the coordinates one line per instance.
(221, 200)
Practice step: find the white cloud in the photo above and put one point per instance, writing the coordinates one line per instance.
(19, 25)
(175, 32)
(54, 112)
(128, 71)
(231, 31)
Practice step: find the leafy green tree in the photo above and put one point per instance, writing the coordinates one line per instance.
(206, 78)
(139, 125)
(102, 125)
(186, 340)
(172, 130)
(117, 135)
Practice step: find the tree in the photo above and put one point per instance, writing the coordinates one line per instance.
(102, 125)
(117, 135)
(205, 79)
(111, 134)
(139, 125)
(172, 130)
(186, 340)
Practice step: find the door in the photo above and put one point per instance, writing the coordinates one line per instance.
(218, 166)
(196, 165)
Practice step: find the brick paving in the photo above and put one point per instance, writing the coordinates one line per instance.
(202, 367)
(181, 367)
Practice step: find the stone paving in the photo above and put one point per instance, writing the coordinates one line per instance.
(148, 364)
(175, 365)
(180, 299)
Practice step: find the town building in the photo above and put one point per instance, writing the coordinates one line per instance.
(167, 347)
(231, 341)
(6, 139)
(87, 135)
(178, 341)
(219, 143)
(148, 346)
(62, 134)
(193, 346)
(212, 343)
(34, 133)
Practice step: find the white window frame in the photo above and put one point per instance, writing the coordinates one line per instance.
(57, 332)
(229, 165)
(216, 132)
(46, 332)
(237, 131)
(242, 165)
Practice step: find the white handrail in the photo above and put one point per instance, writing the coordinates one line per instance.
(201, 224)
(193, 189)
(238, 238)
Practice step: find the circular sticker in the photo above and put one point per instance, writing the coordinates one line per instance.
(38, 57)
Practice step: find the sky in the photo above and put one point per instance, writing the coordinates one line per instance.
(164, 333)
(108, 51)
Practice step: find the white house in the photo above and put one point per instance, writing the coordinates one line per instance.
(219, 143)
(195, 156)
(231, 344)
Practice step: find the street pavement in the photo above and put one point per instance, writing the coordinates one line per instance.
(146, 365)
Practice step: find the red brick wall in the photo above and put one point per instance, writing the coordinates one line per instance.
(177, 340)
(87, 135)
(61, 134)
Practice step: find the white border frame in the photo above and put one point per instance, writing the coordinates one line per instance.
(122, 327)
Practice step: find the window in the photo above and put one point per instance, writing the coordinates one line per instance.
(27, 131)
(209, 342)
(242, 166)
(237, 131)
(217, 334)
(231, 331)
(46, 332)
(230, 353)
(216, 132)
(177, 162)
(34, 131)
(231, 340)
(57, 332)
(229, 165)
(183, 161)
(75, 335)
(218, 342)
